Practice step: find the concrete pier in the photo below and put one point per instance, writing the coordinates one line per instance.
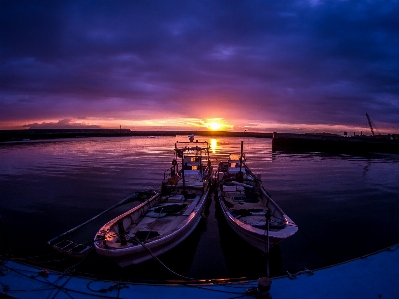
(335, 143)
(369, 277)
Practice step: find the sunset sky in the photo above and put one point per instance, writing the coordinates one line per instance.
(293, 66)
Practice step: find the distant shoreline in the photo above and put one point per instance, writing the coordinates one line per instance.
(307, 142)
(39, 134)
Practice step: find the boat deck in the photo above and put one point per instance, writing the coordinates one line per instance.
(156, 223)
(245, 204)
(252, 213)
(192, 178)
(241, 201)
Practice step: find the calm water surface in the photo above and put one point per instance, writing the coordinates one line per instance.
(345, 206)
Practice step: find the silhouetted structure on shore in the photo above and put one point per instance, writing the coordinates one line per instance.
(335, 143)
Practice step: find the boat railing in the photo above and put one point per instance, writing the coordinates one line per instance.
(207, 171)
(170, 173)
(198, 148)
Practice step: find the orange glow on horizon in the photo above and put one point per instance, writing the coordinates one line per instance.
(181, 123)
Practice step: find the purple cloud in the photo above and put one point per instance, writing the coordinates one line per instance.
(292, 62)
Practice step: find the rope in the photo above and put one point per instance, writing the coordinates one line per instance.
(390, 249)
(53, 285)
(155, 257)
(217, 291)
(40, 256)
(33, 257)
(60, 288)
(118, 286)
(72, 268)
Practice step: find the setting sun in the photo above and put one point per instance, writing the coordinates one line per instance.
(214, 126)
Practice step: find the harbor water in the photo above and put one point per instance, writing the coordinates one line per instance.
(345, 206)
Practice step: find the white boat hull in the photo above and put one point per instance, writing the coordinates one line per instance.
(257, 237)
(168, 218)
(245, 204)
(142, 252)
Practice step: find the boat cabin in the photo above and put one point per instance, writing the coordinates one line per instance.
(234, 163)
(190, 168)
(192, 163)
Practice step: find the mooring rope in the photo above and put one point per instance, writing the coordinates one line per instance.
(72, 268)
(155, 257)
(52, 285)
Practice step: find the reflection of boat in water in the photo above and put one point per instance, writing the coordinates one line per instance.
(246, 205)
(166, 219)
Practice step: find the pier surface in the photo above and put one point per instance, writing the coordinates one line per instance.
(369, 277)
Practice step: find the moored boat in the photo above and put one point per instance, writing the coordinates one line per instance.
(66, 243)
(247, 206)
(166, 219)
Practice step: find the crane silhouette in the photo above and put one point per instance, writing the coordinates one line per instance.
(372, 125)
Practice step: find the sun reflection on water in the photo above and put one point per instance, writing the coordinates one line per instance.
(214, 144)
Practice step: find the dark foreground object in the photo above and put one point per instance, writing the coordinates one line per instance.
(369, 277)
(335, 143)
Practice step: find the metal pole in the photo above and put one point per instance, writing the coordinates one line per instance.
(182, 172)
(268, 214)
(242, 149)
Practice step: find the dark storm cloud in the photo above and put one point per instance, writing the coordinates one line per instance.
(62, 124)
(288, 61)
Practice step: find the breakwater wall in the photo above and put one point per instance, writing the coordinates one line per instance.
(335, 143)
(39, 134)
